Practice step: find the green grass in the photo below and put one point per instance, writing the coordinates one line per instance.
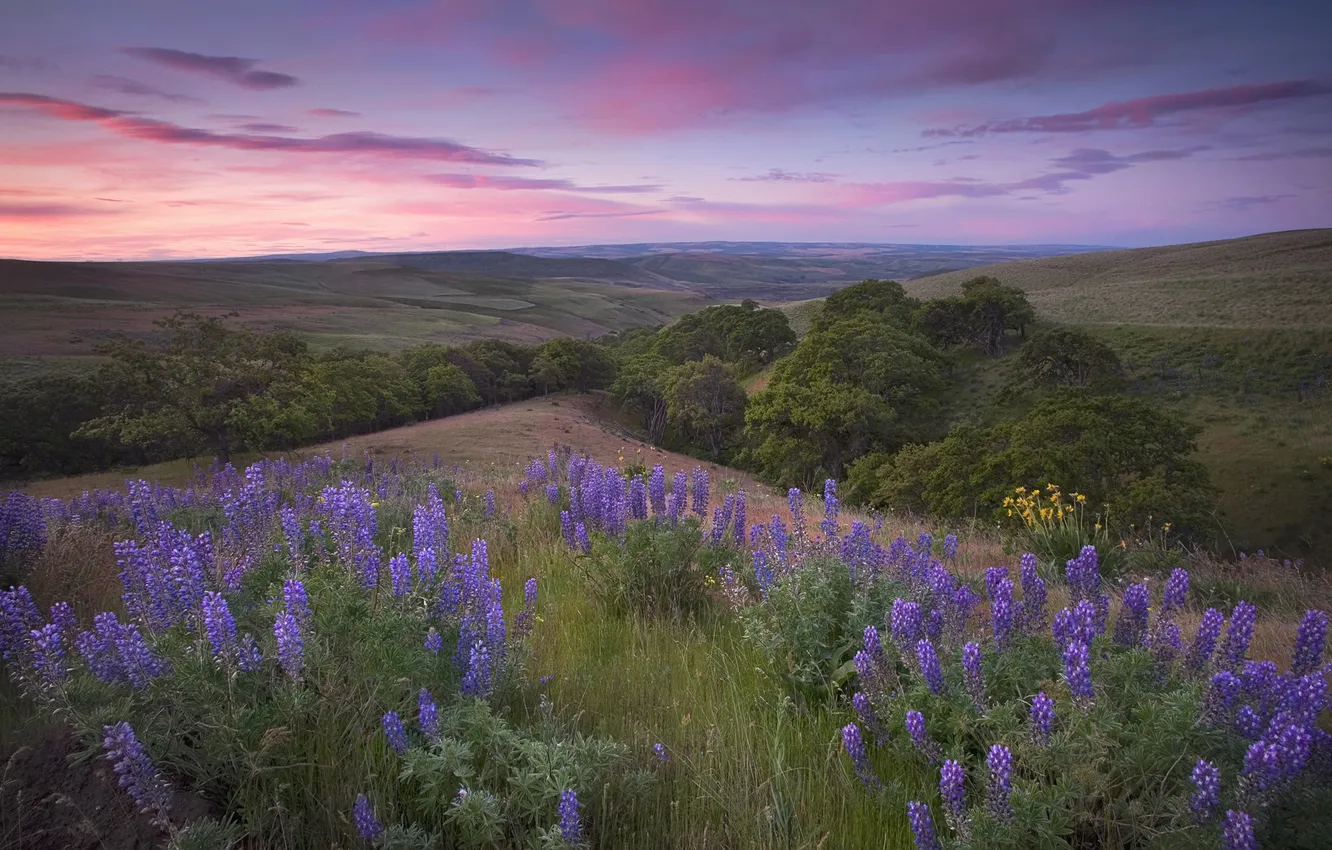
(748, 769)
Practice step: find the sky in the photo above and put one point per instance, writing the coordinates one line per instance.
(155, 129)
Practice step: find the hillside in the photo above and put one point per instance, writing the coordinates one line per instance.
(1270, 280)
(61, 310)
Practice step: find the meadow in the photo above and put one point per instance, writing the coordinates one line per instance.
(628, 649)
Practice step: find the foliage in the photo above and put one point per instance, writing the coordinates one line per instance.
(658, 570)
(852, 387)
(1118, 450)
(1065, 357)
(572, 364)
(704, 398)
(641, 381)
(1056, 527)
(980, 316)
(746, 335)
(360, 391)
(882, 299)
(810, 625)
(226, 388)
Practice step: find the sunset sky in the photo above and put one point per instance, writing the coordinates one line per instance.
(161, 128)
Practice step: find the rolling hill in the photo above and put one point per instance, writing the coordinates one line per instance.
(1273, 280)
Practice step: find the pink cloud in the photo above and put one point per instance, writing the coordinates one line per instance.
(777, 175)
(663, 64)
(40, 211)
(374, 144)
(504, 183)
(1144, 111)
(123, 85)
(230, 68)
(323, 112)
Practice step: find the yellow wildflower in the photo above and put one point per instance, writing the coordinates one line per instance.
(1081, 498)
(1020, 490)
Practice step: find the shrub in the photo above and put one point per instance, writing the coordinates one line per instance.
(658, 570)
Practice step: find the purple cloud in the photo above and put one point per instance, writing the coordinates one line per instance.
(265, 127)
(1097, 161)
(332, 113)
(1244, 202)
(30, 211)
(776, 175)
(1144, 111)
(375, 144)
(560, 216)
(124, 85)
(230, 68)
(474, 181)
(1274, 156)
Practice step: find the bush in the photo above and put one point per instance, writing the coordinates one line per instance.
(658, 570)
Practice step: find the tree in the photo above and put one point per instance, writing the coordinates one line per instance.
(981, 316)
(883, 298)
(363, 392)
(704, 398)
(206, 382)
(852, 387)
(1066, 357)
(450, 390)
(1119, 450)
(571, 364)
(641, 381)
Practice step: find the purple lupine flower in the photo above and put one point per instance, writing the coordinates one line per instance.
(952, 782)
(700, 492)
(428, 716)
(638, 507)
(1176, 591)
(1078, 675)
(1199, 656)
(1222, 692)
(831, 509)
(1292, 745)
(1248, 723)
(906, 627)
(293, 595)
(48, 654)
(999, 791)
(740, 518)
(855, 748)
(291, 649)
(553, 493)
(922, 826)
(994, 575)
(950, 547)
(915, 724)
(1001, 613)
(796, 500)
(526, 619)
(1304, 699)
(678, 502)
(865, 711)
(580, 535)
(1240, 633)
(364, 817)
(1237, 833)
(137, 773)
(62, 617)
(1131, 627)
(1166, 646)
(1042, 718)
(929, 666)
(1309, 643)
(433, 641)
(878, 674)
(400, 572)
(219, 625)
(1033, 597)
(477, 681)
(659, 750)
(490, 503)
(571, 829)
(1262, 770)
(657, 490)
(972, 674)
(1207, 782)
(248, 657)
(393, 729)
(567, 529)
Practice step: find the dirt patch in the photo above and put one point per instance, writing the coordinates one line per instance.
(49, 803)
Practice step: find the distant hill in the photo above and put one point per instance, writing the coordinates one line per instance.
(1270, 280)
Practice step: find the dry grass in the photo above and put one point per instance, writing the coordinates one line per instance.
(78, 566)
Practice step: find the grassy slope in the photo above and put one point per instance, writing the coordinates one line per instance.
(63, 309)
